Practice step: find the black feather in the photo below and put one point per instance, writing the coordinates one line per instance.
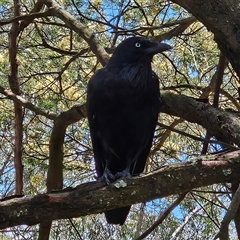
(123, 101)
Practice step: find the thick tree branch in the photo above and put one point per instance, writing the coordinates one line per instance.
(220, 72)
(54, 177)
(93, 198)
(225, 126)
(216, 82)
(222, 124)
(55, 168)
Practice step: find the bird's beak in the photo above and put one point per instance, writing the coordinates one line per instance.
(157, 48)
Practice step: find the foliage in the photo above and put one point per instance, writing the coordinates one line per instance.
(54, 66)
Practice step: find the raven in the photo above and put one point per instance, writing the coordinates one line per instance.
(123, 101)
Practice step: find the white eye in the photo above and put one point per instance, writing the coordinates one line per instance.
(137, 44)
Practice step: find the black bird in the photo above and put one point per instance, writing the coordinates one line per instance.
(123, 101)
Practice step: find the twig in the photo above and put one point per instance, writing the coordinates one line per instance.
(166, 134)
(79, 28)
(76, 230)
(140, 220)
(198, 138)
(162, 216)
(187, 218)
(25, 17)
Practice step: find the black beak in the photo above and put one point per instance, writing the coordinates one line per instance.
(157, 48)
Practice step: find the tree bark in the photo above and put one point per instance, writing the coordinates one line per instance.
(225, 126)
(14, 85)
(93, 198)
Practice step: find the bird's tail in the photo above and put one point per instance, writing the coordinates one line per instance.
(117, 216)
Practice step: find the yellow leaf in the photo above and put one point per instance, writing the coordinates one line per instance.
(36, 179)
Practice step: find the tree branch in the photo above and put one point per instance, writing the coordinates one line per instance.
(183, 25)
(79, 28)
(93, 198)
(170, 128)
(225, 126)
(223, 233)
(222, 124)
(28, 17)
(181, 226)
(162, 216)
(54, 178)
(15, 87)
(23, 102)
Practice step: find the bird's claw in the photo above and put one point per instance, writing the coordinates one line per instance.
(107, 177)
(124, 174)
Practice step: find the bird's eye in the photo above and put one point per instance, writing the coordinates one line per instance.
(137, 44)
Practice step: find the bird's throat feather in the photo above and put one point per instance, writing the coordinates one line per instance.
(138, 75)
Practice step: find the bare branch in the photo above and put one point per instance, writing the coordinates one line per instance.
(54, 177)
(164, 25)
(220, 71)
(81, 29)
(25, 17)
(162, 216)
(187, 218)
(215, 83)
(140, 220)
(171, 128)
(23, 102)
(176, 31)
(206, 91)
(36, 10)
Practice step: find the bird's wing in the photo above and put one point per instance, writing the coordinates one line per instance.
(102, 109)
(122, 122)
(146, 125)
(93, 108)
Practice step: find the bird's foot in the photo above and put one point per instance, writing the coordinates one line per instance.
(124, 174)
(107, 177)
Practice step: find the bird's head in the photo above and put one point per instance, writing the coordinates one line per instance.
(136, 49)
